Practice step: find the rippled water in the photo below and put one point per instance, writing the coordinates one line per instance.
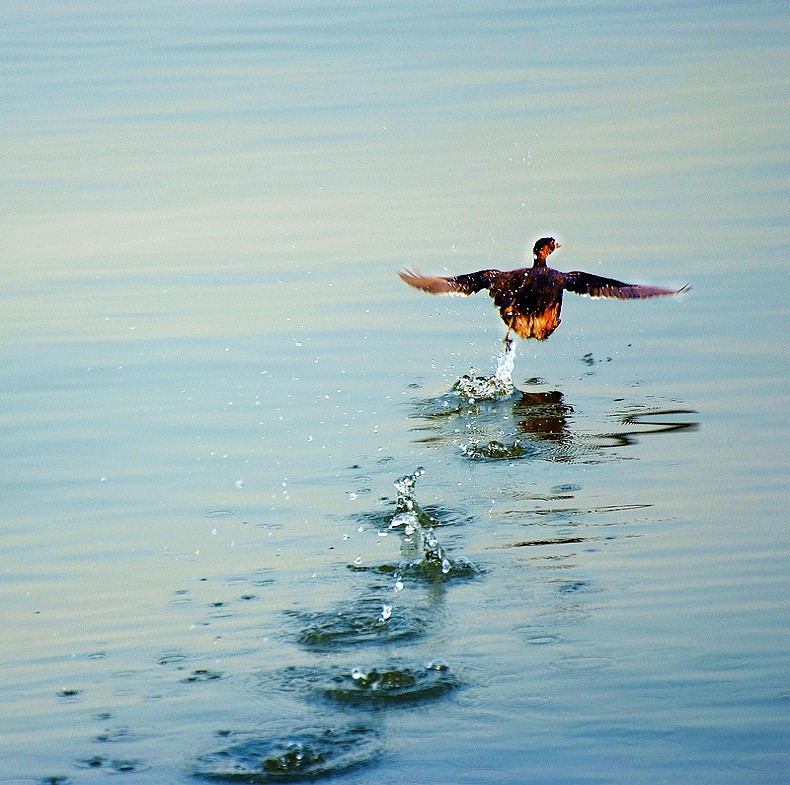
(213, 380)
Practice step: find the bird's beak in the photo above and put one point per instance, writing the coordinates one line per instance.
(557, 245)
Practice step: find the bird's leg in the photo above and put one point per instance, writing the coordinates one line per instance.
(508, 340)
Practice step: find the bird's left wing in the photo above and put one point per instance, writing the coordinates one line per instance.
(596, 286)
(469, 283)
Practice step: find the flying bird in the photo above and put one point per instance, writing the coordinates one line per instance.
(530, 299)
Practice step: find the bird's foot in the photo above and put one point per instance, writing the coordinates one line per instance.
(508, 342)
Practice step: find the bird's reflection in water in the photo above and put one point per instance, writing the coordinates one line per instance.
(642, 421)
(543, 415)
(538, 424)
(514, 425)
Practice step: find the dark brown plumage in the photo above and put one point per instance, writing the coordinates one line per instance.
(530, 299)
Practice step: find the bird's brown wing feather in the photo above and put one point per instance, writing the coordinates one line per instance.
(468, 283)
(596, 286)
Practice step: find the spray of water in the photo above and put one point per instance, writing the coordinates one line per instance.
(411, 517)
(426, 556)
(486, 388)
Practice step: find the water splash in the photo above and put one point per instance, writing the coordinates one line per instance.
(392, 684)
(493, 450)
(359, 622)
(296, 755)
(426, 559)
(413, 519)
(404, 486)
(486, 388)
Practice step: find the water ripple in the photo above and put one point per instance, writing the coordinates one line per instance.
(296, 755)
(359, 622)
(392, 684)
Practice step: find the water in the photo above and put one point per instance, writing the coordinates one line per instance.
(213, 377)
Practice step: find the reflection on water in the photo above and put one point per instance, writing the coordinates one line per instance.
(543, 416)
(504, 423)
(658, 420)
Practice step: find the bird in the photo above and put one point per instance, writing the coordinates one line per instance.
(530, 298)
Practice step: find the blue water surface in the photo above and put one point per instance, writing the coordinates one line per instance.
(212, 378)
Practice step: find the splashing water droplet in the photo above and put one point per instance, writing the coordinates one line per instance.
(404, 486)
(406, 519)
(386, 612)
(413, 519)
(437, 665)
(506, 362)
(483, 388)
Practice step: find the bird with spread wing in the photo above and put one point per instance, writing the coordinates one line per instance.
(530, 299)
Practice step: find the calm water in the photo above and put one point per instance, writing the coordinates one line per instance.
(212, 379)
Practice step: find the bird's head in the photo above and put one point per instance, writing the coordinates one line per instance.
(543, 248)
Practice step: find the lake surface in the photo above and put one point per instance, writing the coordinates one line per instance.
(213, 380)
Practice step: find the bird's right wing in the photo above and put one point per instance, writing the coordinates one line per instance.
(468, 283)
(596, 286)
